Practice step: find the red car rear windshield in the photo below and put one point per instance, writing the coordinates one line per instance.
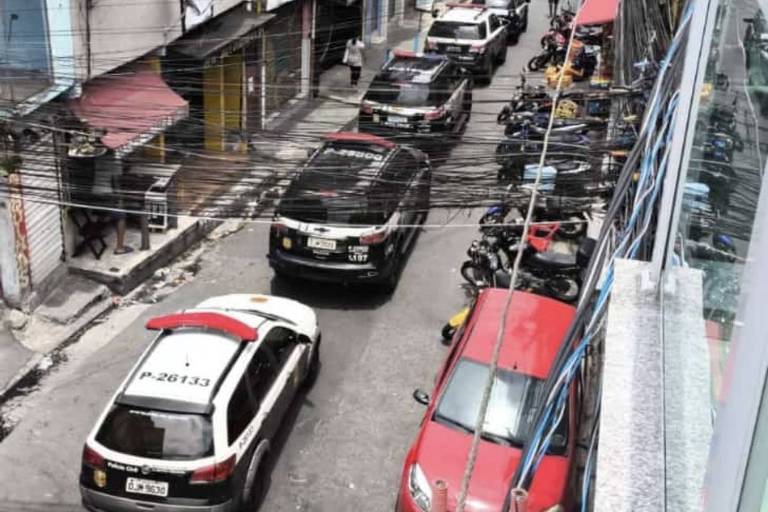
(156, 435)
(511, 410)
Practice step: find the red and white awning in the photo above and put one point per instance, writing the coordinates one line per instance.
(597, 12)
(132, 107)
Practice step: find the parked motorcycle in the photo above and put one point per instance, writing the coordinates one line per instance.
(537, 122)
(553, 274)
(553, 54)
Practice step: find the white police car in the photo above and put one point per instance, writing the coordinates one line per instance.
(190, 427)
(472, 35)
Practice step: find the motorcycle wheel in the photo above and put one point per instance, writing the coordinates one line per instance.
(447, 332)
(562, 288)
(572, 230)
(475, 276)
(491, 218)
(536, 63)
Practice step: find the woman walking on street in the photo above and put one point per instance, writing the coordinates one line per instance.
(552, 8)
(353, 57)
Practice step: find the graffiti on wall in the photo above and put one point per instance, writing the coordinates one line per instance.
(20, 231)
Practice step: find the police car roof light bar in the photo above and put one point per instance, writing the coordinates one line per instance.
(405, 54)
(360, 137)
(467, 6)
(207, 320)
(408, 54)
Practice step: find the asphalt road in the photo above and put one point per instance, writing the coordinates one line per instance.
(344, 442)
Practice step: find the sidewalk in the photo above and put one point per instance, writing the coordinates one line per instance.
(26, 339)
(13, 356)
(302, 125)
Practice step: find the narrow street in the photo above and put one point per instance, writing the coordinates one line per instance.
(342, 447)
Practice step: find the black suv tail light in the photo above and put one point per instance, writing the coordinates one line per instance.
(279, 227)
(214, 473)
(435, 114)
(373, 238)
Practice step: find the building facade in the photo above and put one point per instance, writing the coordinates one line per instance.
(36, 48)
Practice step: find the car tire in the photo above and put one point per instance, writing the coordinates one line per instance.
(487, 73)
(467, 105)
(314, 368)
(258, 490)
(390, 283)
(283, 276)
(502, 57)
(525, 21)
(424, 200)
(514, 38)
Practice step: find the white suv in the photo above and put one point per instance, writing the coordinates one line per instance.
(472, 35)
(189, 429)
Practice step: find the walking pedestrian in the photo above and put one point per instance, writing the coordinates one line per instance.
(353, 57)
(552, 8)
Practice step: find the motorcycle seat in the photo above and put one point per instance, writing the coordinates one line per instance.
(553, 260)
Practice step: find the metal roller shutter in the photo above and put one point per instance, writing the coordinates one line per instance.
(40, 189)
(282, 44)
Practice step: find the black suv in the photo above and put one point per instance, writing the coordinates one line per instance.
(515, 11)
(352, 211)
(417, 94)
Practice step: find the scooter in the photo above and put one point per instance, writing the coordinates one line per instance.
(453, 323)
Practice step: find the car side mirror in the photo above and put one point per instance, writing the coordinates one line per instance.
(435, 13)
(421, 396)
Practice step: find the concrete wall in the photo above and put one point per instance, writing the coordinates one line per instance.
(9, 278)
(123, 32)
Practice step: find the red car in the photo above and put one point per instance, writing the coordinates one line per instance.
(535, 328)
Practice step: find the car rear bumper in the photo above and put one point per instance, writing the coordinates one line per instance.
(470, 62)
(416, 129)
(325, 271)
(101, 502)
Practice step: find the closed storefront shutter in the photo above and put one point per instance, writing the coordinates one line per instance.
(336, 22)
(282, 42)
(40, 190)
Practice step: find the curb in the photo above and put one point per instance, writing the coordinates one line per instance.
(79, 328)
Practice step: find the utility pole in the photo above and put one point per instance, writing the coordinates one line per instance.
(88, 7)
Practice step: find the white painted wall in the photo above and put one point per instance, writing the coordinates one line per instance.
(123, 32)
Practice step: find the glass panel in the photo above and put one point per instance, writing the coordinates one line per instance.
(722, 186)
(157, 434)
(723, 180)
(25, 64)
